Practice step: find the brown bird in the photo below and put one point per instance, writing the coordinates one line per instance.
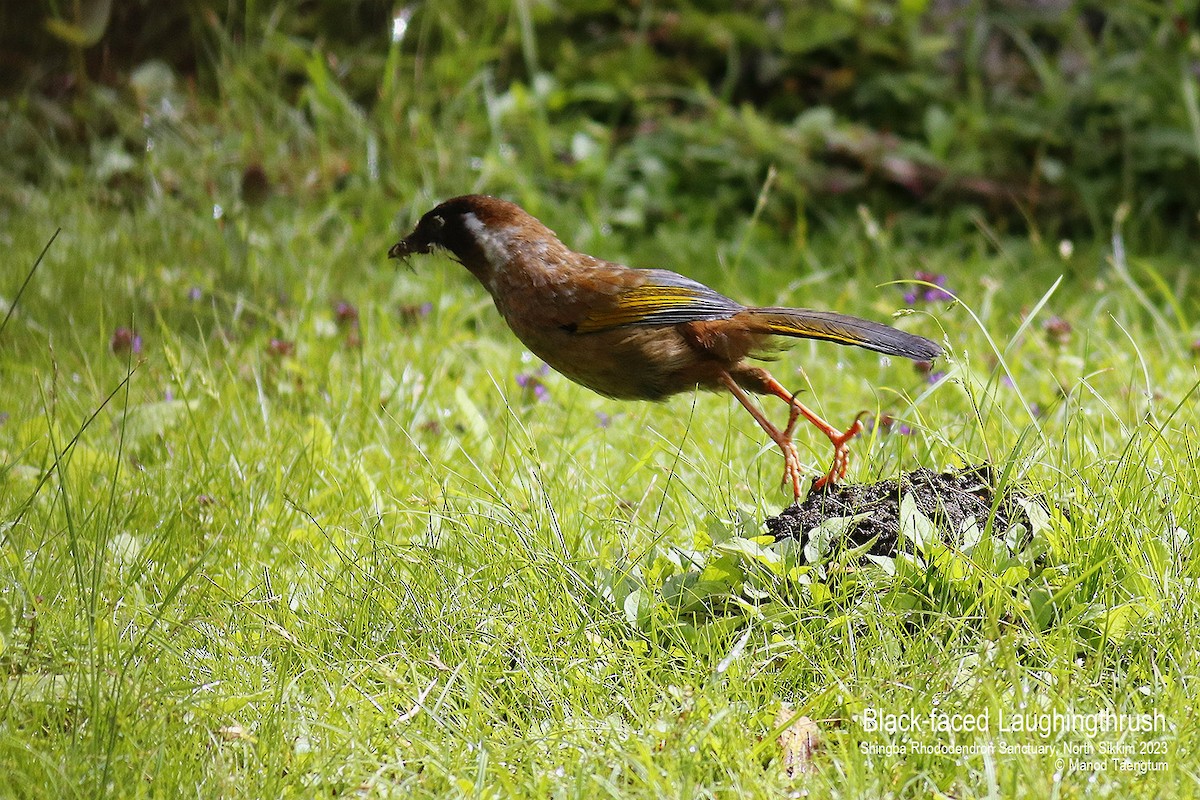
(641, 334)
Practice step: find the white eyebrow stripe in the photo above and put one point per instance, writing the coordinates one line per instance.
(493, 243)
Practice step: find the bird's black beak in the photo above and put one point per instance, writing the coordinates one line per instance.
(404, 248)
(407, 247)
(422, 240)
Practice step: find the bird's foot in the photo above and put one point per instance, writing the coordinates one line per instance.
(792, 471)
(841, 454)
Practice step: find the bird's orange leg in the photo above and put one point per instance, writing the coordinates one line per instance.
(791, 459)
(840, 439)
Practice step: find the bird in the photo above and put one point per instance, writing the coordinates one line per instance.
(643, 334)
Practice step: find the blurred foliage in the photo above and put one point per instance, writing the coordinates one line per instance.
(1040, 115)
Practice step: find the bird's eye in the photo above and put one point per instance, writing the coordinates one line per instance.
(437, 222)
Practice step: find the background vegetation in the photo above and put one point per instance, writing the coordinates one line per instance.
(1045, 115)
(276, 519)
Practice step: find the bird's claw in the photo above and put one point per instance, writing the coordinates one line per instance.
(841, 454)
(792, 471)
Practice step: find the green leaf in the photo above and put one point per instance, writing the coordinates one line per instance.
(725, 569)
(1041, 606)
(917, 527)
(886, 563)
(819, 593)
(970, 534)
(1120, 620)
(750, 550)
(632, 606)
(720, 530)
(1039, 517)
(821, 538)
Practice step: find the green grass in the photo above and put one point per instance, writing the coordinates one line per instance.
(385, 565)
(282, 553)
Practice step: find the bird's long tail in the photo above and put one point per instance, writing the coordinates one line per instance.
(806, 323)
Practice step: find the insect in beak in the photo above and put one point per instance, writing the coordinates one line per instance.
(405, 248)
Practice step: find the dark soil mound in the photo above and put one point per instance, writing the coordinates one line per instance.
(947, 499)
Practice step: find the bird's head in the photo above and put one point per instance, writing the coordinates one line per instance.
(483, 233)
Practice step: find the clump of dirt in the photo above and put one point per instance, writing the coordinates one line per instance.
(948, 499)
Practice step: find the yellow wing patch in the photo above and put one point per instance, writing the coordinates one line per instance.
(635, 305)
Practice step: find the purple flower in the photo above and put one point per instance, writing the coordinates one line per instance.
(194, 294)
(928, 294)
(935, 376)
(603, 420)
(410, 314)
(346, 314)
(281, 348)
(126, 341)
(532, 382)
